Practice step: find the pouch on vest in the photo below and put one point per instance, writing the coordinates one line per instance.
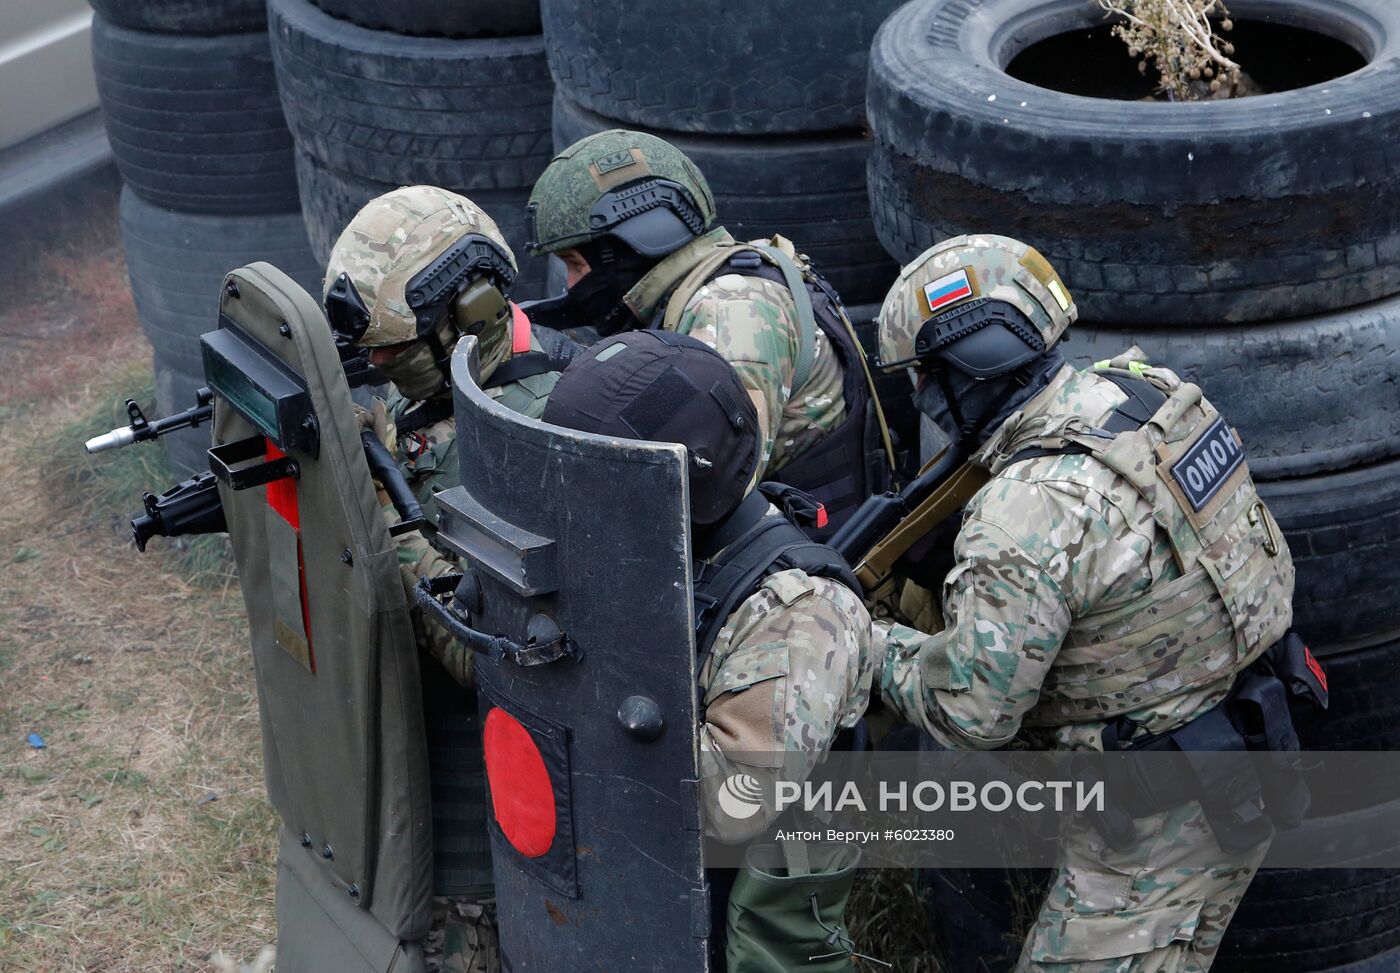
(783, 917)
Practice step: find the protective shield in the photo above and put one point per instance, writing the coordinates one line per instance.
(577, 591)
(333, 646)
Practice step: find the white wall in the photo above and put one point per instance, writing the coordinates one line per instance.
(45, 65)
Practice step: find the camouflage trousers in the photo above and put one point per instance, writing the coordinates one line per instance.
(1160, 907)
(463, 936)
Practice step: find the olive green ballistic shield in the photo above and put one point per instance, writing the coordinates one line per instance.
(578, 584)
(334, 657)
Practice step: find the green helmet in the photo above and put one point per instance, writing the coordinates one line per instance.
(985, 304)
(630, 185)
(408, 261)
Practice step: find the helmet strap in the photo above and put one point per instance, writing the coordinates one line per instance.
(972, 429)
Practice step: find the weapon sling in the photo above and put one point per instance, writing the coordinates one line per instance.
(874, 567)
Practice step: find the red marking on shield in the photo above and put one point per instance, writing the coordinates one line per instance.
(282, 497)
(522, 795)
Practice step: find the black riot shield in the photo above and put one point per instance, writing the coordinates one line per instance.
(333, 645)
(577, 593)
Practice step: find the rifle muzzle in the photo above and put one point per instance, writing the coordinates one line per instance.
(117, 438)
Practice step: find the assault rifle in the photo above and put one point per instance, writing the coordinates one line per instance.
(886, 526)
(276, 402)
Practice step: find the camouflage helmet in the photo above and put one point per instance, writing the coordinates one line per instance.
(945, 299)
(630, 185)
(405, 258)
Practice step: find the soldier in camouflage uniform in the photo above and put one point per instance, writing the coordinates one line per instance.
(785, 664)
(634, 222)
(413, 271)
(1100, 598)
(393, 239)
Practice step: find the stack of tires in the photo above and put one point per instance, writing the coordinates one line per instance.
(191, 110)
(382, 95)
(1253, 245)
(770, 106)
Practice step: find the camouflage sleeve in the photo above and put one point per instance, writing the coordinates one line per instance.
(1030, 556)
(419, 559)
(752, 322)
(790, 669)
(434, 468)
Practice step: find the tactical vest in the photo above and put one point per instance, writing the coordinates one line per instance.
(1233, 597)
(764, 545)
(853, 460)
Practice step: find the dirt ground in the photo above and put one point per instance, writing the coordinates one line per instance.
(139, 836)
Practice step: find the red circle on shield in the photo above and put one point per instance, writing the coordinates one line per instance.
(522, 795)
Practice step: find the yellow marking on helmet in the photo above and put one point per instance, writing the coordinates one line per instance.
(1103, 363)
(972, 282)
(1138, 367)
(1041, 270)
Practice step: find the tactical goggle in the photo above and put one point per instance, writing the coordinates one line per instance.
(430, 292)
(620, 205)
(941, 330)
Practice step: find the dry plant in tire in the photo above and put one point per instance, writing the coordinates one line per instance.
(1179, 39)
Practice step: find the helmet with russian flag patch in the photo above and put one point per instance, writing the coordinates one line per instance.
(984, 304)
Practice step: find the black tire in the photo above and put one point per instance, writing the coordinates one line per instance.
(809, 189)
(711, 66)
(408, 110)
(1343, 530)
(194, 122)
(185, 16)
(1199, 213)
(1307, 395)
(1307, 920)
(177, 263)
(433, 18)
(330, 199)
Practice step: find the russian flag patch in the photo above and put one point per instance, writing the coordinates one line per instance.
(947, 289)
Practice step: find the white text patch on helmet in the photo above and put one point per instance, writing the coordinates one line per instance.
(1208, 464)
(947, 289)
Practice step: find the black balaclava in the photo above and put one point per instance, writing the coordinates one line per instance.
(968, 410)
(615, 268)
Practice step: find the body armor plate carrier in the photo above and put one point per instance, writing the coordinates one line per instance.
(853, 460)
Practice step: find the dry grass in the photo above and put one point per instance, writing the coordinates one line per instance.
(887, 920)
(140, 837)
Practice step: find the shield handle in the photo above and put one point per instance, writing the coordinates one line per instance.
(545, 641)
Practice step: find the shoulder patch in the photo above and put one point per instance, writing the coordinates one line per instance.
(790, 586)
(1205, 467)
